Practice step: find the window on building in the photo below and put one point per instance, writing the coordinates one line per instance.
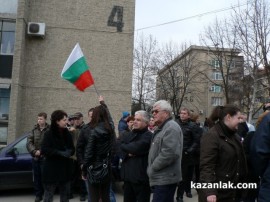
(217, 76)
(3, 134)
(216, 101)
(4, 103)
(216, 88)
(231, 63)
(4, 113)
(7, 41)
(215, 64)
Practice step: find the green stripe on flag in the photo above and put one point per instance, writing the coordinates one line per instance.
(75, 70)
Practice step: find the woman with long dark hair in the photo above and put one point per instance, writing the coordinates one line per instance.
(222, 159)
(57, 147)
(98, 152)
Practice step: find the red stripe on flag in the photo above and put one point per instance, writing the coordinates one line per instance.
(85, 80)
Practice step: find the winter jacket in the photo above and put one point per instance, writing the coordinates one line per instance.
(252, 193)
(260, 155)
(85, 132)
(164, 159)
(222, 159)
(98, 147)
(191, 142)
(82, 142)
(136, 143)
(191, 136)
(122, 126)
(35, 138)
(57, 148)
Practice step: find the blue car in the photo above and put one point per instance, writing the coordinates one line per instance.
(16, 165)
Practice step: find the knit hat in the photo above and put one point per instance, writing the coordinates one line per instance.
(125, 114)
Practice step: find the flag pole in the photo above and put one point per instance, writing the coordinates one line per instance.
(96, 90)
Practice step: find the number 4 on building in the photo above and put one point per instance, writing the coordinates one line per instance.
(117, 12)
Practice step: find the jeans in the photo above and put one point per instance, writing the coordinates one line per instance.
(163, 193)
(87, 189)
(38, 186)
(112, 196)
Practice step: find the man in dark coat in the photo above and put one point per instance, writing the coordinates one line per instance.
(76, 175)
(191, 142)
(260, 154)
(135, 147)
(33, 146)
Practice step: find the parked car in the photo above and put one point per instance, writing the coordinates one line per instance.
(16, 165)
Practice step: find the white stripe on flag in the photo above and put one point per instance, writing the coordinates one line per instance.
(73, 57)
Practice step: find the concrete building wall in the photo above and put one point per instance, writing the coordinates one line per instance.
(36, 82)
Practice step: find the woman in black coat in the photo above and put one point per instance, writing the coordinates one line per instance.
(98, 151)
(57, 147)
(222, 158)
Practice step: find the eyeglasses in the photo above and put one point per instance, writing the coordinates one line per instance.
(156, 111)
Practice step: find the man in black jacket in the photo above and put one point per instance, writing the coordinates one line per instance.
(191, 143)
(135, 147)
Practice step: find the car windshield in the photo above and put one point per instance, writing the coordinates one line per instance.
(21, 146)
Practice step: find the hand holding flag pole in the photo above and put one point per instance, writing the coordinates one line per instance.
(76, 70)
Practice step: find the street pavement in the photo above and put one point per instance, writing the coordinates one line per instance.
(27, 196)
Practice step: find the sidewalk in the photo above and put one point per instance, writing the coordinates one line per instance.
(27, 195)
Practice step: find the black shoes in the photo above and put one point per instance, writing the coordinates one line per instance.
(70, 196)
(82, 198)
(38, 198)
(179, 200)
(189, 195)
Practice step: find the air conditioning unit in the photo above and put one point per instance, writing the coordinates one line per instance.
(36, 29)
(201, 112)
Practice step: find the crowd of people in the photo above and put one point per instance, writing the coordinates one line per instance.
(153, 153)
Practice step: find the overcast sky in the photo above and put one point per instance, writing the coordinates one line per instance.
(154, 12)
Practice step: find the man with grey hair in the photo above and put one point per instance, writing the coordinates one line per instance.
(164, 159)
(135, 146)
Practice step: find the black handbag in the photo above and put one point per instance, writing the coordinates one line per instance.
(98, 172)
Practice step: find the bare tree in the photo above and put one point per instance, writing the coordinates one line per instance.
(167, 85)
(253, 28)
(247, 31)
(220, 39)
(174, 79)
(145, 52)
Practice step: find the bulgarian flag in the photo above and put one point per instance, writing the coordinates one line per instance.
(76, 70)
